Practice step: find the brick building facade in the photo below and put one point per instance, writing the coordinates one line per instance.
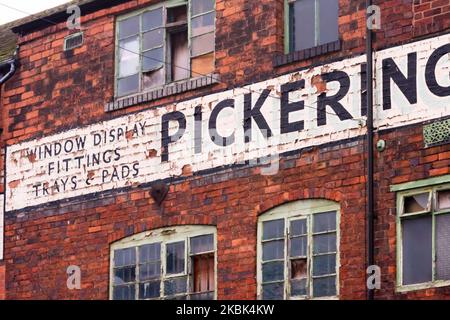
(123, 163)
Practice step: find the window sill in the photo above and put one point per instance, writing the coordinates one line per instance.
(161, 92)
(306, 54)
(422, 286)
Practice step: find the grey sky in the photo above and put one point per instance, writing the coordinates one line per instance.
(28, 6)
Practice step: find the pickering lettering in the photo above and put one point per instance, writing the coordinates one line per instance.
(305, 108)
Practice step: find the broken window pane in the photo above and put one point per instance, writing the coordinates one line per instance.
(417, 203)
(323, 265)
(152, 19)
(150, 252)
(153, 79)
(180, 65)
(303, 24)
(324, 243)
(328, 21)
(444, 200)
(124, 275)
(273, 291)
(443, 247)
(153, 59)
(203, 24)
(149, 290)
(324, 222)
(128, 85)
(417, 250)
(202, 244)
(128, 27)
(128, 57)
(273, 250)
(203, 44)
(324, 287)
(203, 269)
(202, 65)
(124, 292)
(273, 271)
(177, 14)
(152, 39)
(201, 6)
(298, 227)
(273, 229)
(175, 257)
(298, 287)
(299, 246)
(175, 286)
(125, 257)
(299, 268)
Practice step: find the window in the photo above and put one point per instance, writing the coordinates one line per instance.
(159, 45)
(298, 251)
(424, 237)
(170, 263)
(310, 23)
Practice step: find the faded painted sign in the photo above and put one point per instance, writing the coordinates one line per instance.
(290, 112)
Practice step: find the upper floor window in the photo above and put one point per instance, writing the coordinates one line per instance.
(298, 251)
(170, 263)
(163, 44)
(310, 23)
(423, 237)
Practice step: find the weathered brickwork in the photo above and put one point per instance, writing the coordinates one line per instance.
(55, 91)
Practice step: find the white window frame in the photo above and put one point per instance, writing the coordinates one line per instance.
(165, 236)
(432, 210)
(294, 211)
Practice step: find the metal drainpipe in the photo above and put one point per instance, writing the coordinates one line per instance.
(12, 67)
(370, 152)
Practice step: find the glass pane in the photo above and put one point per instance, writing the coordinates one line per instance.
(304, 24)
(174, 286)
(273, 291)
(273, 229)
(443, 247)
(323, 265)
(202, 244)
(150, 252)
(444, 200)
(324, 287)
(149, 270)
(324, 222)
(299, 268)
(299, 246)
(128, 85)
(152, 19)
(273, 271)
(273, 250)
(152, 39)
(203, 24)
(149, 290)
(124, 257)
(328, 21)
(203, 296)
(124, 292)
(153, 59)
(416, 203)
(203, 44)
(324, 243)
(124, 275)
(128, 27)
(298, 227)
(175, 257)
(417, 251)
(153, 79)
(201, 6)
(128, 57)
(298, 287)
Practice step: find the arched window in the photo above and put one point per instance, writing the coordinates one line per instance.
(298, 251)
(169, 263)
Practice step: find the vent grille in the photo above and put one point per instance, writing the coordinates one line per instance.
(436, 133)
(73, 41)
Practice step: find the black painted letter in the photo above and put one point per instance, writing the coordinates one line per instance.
(430, 72)
(165, 138)
(288, 107)
(256, 114)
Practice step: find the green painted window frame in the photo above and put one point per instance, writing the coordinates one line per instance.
(406, 190)
(164, 5)
(292, 211)
(165, 236)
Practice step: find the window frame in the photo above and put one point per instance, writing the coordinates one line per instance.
(164, 236)
(292, 211)
(433, 205)
(166, 64)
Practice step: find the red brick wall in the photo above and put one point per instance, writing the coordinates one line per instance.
(2, 282)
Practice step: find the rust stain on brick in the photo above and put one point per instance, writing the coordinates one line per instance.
(318, 82)
(31, 157)
(152, 153)
(129, 134)
(91, 174)
(13, 184)
(187, 170)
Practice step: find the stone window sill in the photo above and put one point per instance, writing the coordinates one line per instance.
(165, 91)
(306, 54)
